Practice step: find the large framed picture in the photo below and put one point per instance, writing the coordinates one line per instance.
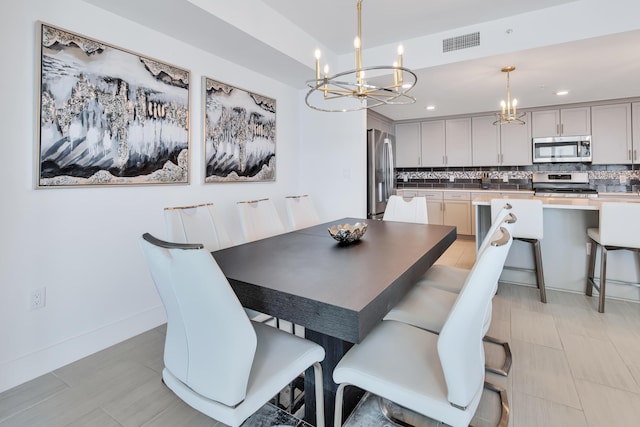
(108, 116)
(239, 133)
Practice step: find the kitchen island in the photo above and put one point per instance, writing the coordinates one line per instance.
(565, 246)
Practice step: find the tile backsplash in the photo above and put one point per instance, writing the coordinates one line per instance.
(603, 178)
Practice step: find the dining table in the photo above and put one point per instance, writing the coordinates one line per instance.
(337, 292)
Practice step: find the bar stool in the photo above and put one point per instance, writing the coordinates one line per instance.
(619, 228)
(529, 228)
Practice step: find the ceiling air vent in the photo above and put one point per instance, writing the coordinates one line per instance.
(461, 42)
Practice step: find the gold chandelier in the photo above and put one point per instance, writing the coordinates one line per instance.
(350, 91)
(508, 115)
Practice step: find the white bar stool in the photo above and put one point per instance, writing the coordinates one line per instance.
(529, 228)
(619, 229)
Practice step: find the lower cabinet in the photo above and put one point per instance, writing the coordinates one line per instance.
(457, 211)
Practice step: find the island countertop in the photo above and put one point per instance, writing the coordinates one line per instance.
(578, 203)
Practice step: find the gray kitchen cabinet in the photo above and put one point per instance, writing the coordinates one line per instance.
(611, 139)
(561, 122)
(508, 145)
(635, 131)
(458, 142)
(433, 143)
(434, 206)
(408, 150)
(457, 211)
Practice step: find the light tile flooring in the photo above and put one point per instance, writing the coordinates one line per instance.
(572, 366)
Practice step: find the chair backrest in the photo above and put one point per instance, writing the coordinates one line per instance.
(196, 224)
(497, 221)
(529, 213)
(406, 210)
(210, 343)
(301, 212)
(620, 224)
(460, 341)
(259, 219)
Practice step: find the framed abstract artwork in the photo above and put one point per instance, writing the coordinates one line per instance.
(108, 116)
(239, 134)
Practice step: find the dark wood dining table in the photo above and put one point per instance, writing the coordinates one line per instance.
(339, 293)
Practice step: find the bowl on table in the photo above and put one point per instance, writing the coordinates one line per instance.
(348, 233)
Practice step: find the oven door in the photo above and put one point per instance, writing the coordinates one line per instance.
(562, 149)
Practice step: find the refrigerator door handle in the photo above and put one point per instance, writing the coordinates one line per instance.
(389, 171)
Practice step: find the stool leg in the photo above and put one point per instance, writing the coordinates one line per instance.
(592, 268)
(539, 271)
(603, 278)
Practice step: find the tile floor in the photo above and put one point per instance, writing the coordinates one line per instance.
(571, 367)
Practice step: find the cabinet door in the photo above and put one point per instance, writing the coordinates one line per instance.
(432, 137)
(407, 145)
(575, 121)
(457, 213)
(545, 123)
(485, 141)
(515, 143)
(611, 134)
(434, 206)
(635, 123)
(458, 142)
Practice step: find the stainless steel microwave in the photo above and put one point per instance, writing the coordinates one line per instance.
(560, 149)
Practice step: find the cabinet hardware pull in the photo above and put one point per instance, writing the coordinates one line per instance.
(635, 157)
(629, 155)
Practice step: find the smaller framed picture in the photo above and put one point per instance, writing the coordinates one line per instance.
(108, 116)
(239, 133)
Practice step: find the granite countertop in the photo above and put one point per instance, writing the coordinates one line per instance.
(579, 203)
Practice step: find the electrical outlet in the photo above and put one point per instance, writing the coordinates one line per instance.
(505, 178)
(623, 179)
(38, 298)
(452, 178)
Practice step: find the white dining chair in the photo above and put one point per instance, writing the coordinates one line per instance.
(439, 376)
(413, 209)
(217, 360)
(529, 229)
(259, 219)
(428, 307)
(301, 212)
(618, 229)
(202, 224)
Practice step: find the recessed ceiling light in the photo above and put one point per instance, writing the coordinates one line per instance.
(562, 92)
(431, 107)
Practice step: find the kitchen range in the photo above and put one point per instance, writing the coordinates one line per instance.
(562, 184)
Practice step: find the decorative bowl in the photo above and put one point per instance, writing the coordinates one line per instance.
(348, 233)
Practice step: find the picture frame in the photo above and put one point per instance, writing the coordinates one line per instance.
(108, 116)
(239, 134)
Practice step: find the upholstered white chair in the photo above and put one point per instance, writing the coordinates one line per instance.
(406, 210)
(428, 307)
(451, 278)
(529, 229)
(259, 219)
(619, 229)
(201, 224)
(216, 359)
(439, 376)
(301, 212)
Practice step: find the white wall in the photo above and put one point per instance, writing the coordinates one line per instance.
(82, 243)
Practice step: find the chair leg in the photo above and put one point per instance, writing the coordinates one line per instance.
(317, 370)
(389, 415)
(603, 278)
(592, 268)
(337, 417)
(506, 367)
(539, 271)
(504, 403)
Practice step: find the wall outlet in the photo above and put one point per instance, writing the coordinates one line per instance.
(452, 178)
(623, 179)
(505, 178)
(37, 298)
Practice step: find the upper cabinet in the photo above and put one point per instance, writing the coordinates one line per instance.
(611, 140)
(457, 142)
(407, 145)
(432, 143)
(635, 123)
(507, 145)
(565, 121)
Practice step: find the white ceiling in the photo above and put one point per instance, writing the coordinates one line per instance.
(277, 39)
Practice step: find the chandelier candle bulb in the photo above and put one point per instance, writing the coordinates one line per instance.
(318, 64)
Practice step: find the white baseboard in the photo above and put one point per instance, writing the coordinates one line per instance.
(33, 365)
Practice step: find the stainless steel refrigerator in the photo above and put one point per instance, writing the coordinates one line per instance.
(380, 171)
